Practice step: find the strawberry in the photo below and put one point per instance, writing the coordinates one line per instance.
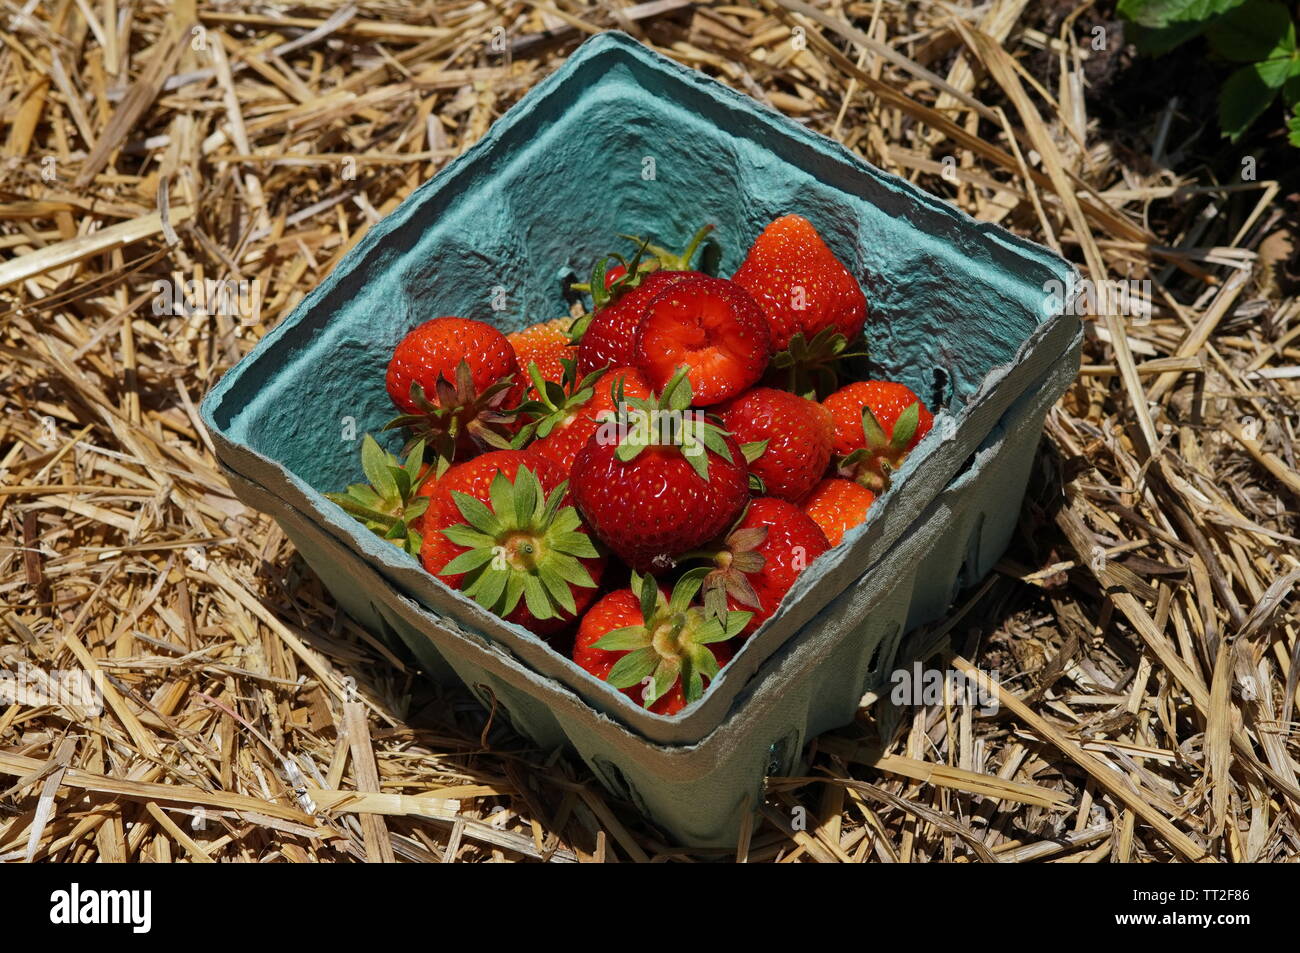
(564, 417)
(813, 304)
(763, 555)
(454, 380)
(659, 651)
(795, 433)
(610, 338)
(657, 480)
(546, 345)
(712, 327)
(396, 497)
(877, 423)
(499, 529)
(606, 337)
(837, 505)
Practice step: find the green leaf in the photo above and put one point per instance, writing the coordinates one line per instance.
(677, 394)
(467, 536)
(573, 544)
(1162, 13)
(502, 494)
(363, 494)
(686, 588)
(649, 597)
(753, 450)
(1258, 30)
(487, 588)
(872, 430)
(627, 451)
(374, 461)
(557, 588)
(535, 597)
(692, 684)
(632, 668)
(1157, 42)
(627, 639)
(1293, 127)
(553, 503)
(666, 676)
(514, 590)
(736, 621)
(570, 570)
(704, 662)
(477, 514)
(1158, 26)
(1246, 95)
(467, 562)
(415, 459)
(527, 492)
(905, 426)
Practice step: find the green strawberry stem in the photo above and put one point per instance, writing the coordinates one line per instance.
(524, 546)
(811, 368)
(390, 505)
(672, 641)
(672, 261)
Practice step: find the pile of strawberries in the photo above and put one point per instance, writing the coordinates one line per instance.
(641, 486)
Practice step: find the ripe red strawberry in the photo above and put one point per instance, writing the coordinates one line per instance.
(797, 434)
(837, 505)
(763, 555)
(454, 379)
(546, 345)
(800, 284)
(560, 424)
(610, 338)
(877, 423)
(712, 327)
(606, 338)
(499, 528)
(815, 307)
(659, 651)
(658, 480)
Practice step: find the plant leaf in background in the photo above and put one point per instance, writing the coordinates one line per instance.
(1293, 126)
(1259, 30)
(1259, 33)
(1159, 26)
(1249, 91)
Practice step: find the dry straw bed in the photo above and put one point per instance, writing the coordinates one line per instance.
(1142, 627)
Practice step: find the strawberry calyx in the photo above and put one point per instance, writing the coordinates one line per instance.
(663, 421)
(873, 464)
(459, 414)
(391, 504)
(733, 563)
(810, 368)
(556, 403)
(525, 545)
(671, 643)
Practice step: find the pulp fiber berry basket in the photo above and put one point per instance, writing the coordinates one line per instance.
(621, 139)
